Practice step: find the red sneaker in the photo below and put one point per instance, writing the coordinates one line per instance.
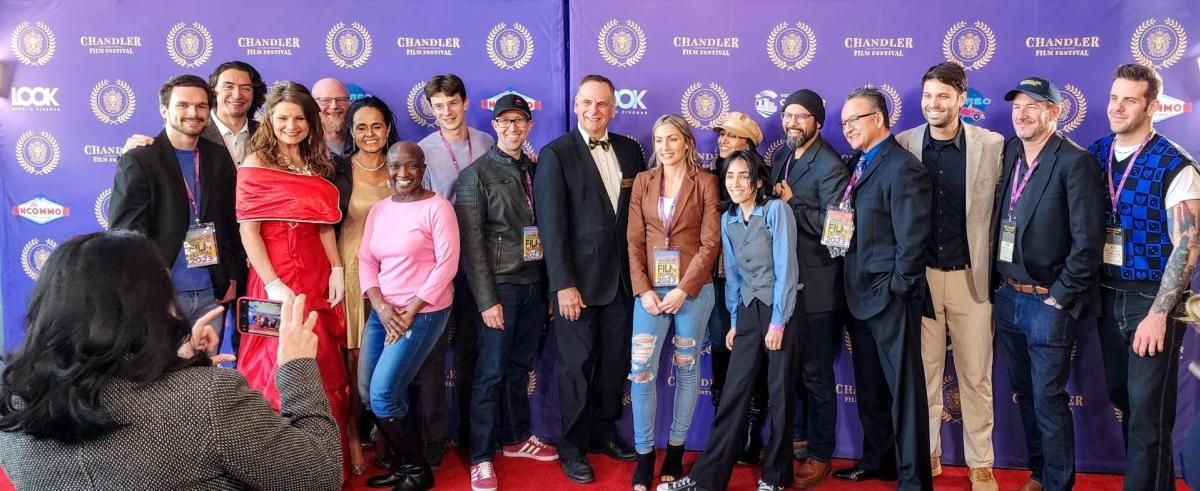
(532, 449)
(483, 478)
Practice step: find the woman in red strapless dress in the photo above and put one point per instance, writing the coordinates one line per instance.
(286, 210)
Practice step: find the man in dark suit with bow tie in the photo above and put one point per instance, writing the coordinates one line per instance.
(887, 200)
(581, 191)
(810, 177)
(1049, 235)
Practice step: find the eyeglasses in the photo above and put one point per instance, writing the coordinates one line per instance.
(854, 120)
(796, 117)
(329, 101)
(504, 124)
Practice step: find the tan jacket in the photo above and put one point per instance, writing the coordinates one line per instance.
(696, 229)
(984, 149)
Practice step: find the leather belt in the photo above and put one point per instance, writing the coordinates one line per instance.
(1030, 289)
(950, 268)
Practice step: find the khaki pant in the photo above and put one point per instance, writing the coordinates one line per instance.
(969, 324)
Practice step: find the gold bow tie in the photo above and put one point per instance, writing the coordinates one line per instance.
(592, 142)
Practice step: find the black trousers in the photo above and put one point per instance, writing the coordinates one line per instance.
(891, 392)
(714, 467)
(461, 334)
(821, 343)
(592, 364)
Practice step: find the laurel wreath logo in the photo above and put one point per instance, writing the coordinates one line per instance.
(641, 149)
(1181, 42)
(19, 52)
(804, 60)
(769, 155)
(686, 109)
(847, 343)
(338, 59)
(181, 60)
(34, 167)
(521, 61)
(101, 207)
(28, 261)
(989, 51)
(1080, 109)
(951, 401)
(532, 385)
(897, 104)
(414, 100)
(631, 60)
(125, 114)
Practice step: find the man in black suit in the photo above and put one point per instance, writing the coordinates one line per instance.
(888, 201)
(810, 178)
(1049, 234)
(581, 192)
(179, 192)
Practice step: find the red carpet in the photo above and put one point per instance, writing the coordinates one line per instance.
(520, 474)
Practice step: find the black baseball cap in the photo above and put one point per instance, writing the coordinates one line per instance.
(511, 102)
(1039, 89)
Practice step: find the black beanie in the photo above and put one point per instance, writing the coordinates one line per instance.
(810, 101)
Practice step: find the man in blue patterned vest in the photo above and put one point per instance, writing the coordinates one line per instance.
(1150, 251)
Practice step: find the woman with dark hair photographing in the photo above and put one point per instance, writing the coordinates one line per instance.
(111, 389)
(758, 239)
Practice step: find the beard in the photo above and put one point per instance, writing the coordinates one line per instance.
(799, 141)
(184, 129)
(332, 124)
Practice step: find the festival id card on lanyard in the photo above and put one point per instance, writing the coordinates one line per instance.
(531, 241)
(1008, 226)
(200, 243)
(666, 257)
(1114, 234)
(839, 219)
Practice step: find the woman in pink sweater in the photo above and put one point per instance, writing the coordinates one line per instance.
(407, 262)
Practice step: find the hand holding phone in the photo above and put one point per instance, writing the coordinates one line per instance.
(259, 317)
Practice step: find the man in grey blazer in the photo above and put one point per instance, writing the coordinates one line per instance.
(963, 162)
(240, 92)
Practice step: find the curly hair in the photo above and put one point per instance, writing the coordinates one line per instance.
(266, 146)
(256, 83)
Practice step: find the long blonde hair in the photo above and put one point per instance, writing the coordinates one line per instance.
(690, 156)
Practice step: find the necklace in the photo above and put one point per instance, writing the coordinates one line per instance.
(354, 158)
(301, 169)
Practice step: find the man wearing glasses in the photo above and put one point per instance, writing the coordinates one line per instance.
(333, 99)
(502, 261)
(448, 151)
(810, 178)
(882, 221)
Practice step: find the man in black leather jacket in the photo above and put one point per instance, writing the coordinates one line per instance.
(502, 261)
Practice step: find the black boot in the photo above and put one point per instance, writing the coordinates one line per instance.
(672, 468)
(409, 470)
(752, 448)
(643, 474)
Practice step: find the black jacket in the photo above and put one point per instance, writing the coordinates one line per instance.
(490, 202)
(1060, 222)
(817, 180)
(149, 197)
(891, 226)
(343, 179)
(582, 237)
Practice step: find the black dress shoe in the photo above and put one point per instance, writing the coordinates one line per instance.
(617, 450)
(385, 480)
(857, 474)
(577, 470)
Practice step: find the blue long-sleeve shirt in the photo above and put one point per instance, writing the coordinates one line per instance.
(759, 258)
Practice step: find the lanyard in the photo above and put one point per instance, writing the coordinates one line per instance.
(1115, 193)
(858, 171)
(1017, 189)
(667, 215)
(453, 159)
(529, 196)
(192, 197)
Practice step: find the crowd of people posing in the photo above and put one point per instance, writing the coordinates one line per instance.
(386, 253)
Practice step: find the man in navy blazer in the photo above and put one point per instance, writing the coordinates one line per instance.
(581, 195)
(889, 193)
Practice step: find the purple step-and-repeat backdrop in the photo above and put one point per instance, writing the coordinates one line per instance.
(78, 79)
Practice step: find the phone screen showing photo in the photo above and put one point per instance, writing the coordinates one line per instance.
(259, 317)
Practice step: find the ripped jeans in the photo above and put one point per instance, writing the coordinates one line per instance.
(649, 337)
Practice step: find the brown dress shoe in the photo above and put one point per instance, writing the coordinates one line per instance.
(1030, 485)
(983, 480)
(811, 473)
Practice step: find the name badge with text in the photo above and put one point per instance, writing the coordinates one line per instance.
(839, 228)
(1008, 241)
(531, 244)
(1114, 246)
(666, 266)
(200, 245)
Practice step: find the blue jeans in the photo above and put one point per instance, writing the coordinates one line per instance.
(195, 303)
(384, 371)
(1037, 340)
(649, 336)
(499, 398)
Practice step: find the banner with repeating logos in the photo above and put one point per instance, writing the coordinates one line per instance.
(77, 79)
(703, 58)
